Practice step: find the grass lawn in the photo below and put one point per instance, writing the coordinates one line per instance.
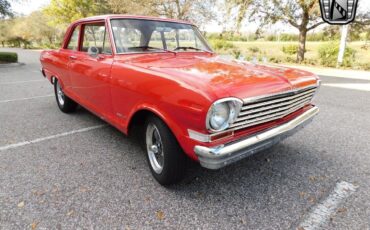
(261, 49)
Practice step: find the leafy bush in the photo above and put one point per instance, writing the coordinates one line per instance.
(219, 44)
(320, 36)
(271, 38)
(365, 66)
(254, 49)
(310, 61)
(8, 57)
(290, 60)
(288, 37)
(290, 49)
(231, 36)
(365, 47)
(328, 55)
(237, 53)
(275, 60)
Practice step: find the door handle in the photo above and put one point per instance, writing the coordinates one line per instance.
(72, 57)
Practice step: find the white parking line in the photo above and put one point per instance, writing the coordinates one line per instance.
(320, 214)
(20, 144)
(19, 82)
(355, 86)
(27, 98)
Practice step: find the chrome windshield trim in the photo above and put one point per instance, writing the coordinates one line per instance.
(195, 28)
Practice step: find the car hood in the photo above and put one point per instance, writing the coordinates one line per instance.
(226, 78)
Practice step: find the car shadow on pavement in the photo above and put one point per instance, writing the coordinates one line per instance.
(281, 161)
(272, 167)
(278, 173)
(292, 168)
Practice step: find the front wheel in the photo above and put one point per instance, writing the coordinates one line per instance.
(166, 159)
(65, 104)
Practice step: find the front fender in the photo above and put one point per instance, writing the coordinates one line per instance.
(172, 118)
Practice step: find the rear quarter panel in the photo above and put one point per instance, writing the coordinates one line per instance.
(55, 64)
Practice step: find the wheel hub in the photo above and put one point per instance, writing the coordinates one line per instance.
(60, 94)
(154, 148)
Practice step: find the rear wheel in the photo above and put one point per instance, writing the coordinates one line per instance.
(166, 159)
(65, 104)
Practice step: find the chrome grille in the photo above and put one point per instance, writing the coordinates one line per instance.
(272, 107)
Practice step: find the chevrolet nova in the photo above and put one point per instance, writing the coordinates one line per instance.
(159, 80)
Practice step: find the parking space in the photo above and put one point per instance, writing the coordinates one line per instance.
(82, 173)
(37, 118)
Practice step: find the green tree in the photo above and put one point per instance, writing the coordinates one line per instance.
(18, 33)
(361, 23)
(143, 7)
(36, 28)
(26, 30)
(4, 31)
(45, 30)
(242, 7)
(332, 32)
(5, 8)
(304, 15)
(198, 11)
(64, 12)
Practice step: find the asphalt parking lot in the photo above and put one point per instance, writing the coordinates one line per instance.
(80, 173)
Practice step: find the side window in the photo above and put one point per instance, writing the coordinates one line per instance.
(96, 35)
(73, 41)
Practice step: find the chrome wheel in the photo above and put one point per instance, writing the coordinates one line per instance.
(60, 95)
(154, 148)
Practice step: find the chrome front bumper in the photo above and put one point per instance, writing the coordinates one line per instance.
(220, 156)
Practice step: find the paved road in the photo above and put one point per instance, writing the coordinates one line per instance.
(99, 179)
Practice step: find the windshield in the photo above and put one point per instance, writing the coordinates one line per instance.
(142, 36)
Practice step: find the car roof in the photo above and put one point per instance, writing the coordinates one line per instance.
(123, 16)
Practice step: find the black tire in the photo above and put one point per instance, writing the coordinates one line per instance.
(65, 104)
(174, 162)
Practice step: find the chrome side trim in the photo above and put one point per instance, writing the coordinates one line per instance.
(220, 156)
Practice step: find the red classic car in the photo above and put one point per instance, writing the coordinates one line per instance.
(159, 78)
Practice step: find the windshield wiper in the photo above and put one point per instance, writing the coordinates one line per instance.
(190, 48)
(150, 47)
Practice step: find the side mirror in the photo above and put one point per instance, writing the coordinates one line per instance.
(93, 51)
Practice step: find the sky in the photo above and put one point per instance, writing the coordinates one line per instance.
(28, 6)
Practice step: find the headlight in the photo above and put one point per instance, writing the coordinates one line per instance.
(223, 113)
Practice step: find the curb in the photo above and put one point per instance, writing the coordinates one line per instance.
(9, 65)
(332, 72)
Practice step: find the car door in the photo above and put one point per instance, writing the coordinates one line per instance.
(63, 59)
(90, 71)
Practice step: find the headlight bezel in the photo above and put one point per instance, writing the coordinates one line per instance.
(234, 105)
